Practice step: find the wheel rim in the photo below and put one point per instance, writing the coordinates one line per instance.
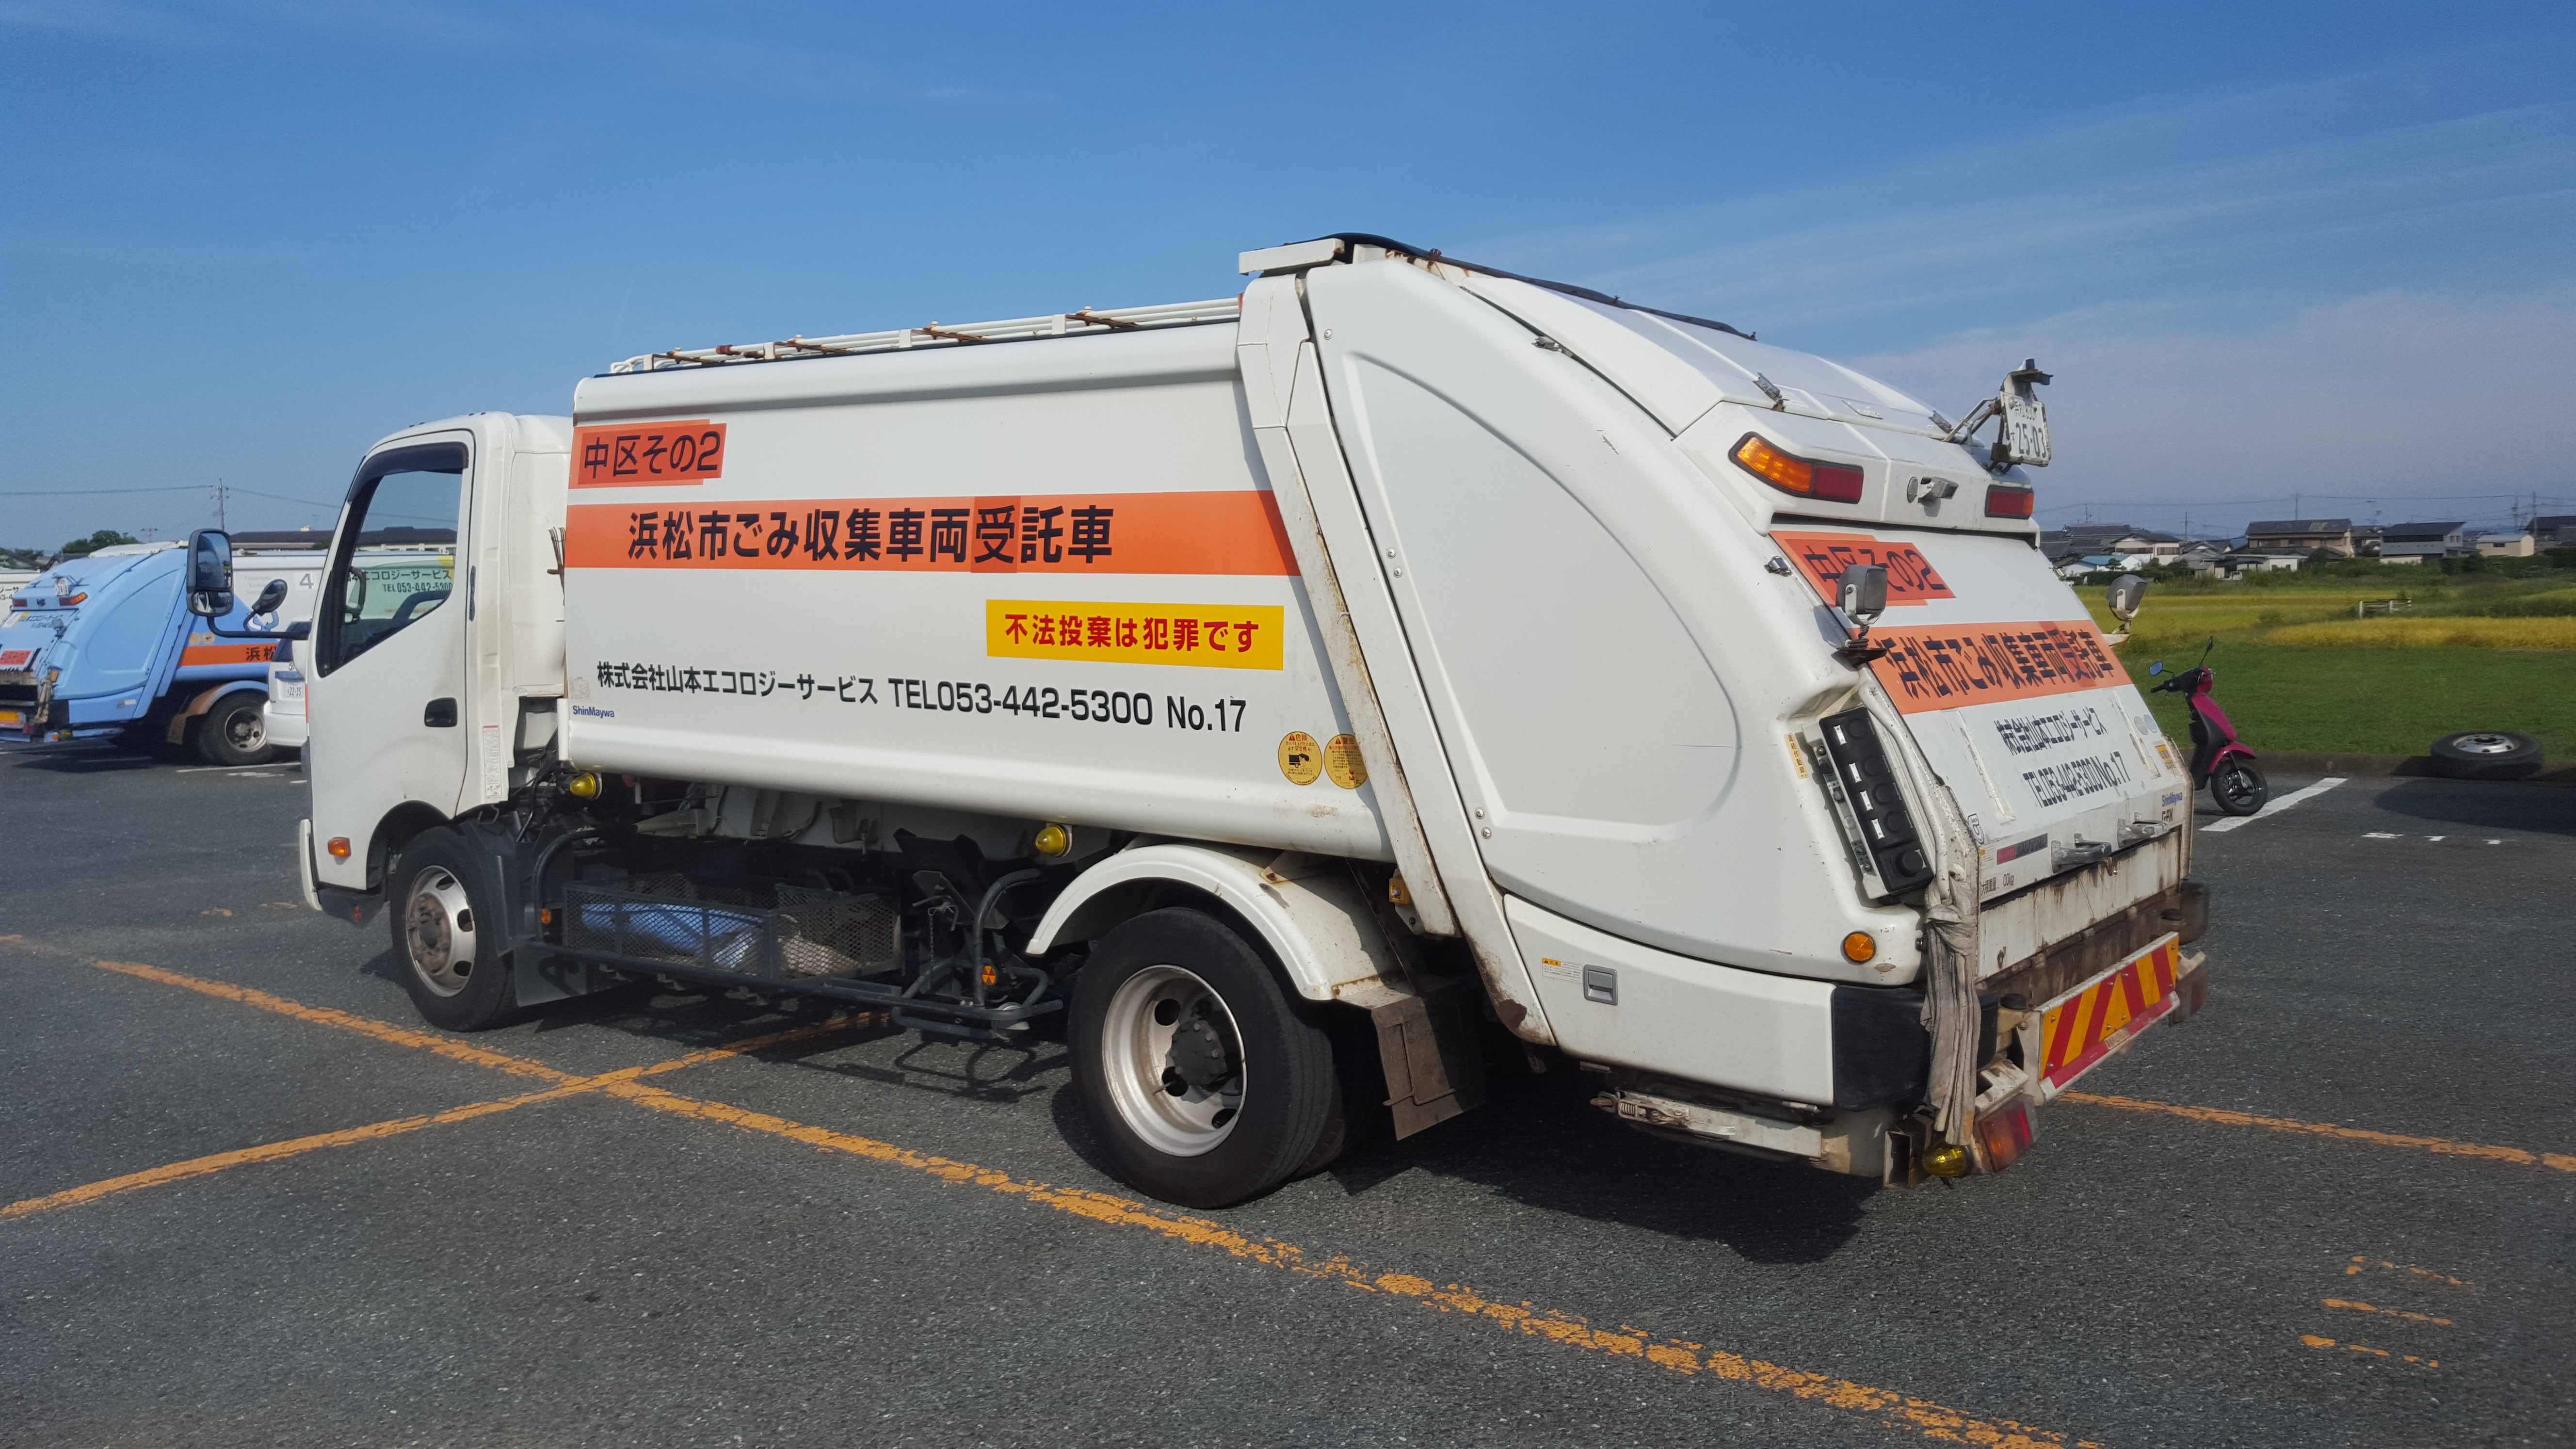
(438, 926)
(1174, 1061)
(2483, 745)
(245, 730)
(2237, 786)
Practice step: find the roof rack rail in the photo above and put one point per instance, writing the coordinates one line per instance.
(1294, 256)
(937, 334)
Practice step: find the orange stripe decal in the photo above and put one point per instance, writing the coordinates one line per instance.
(1946, 666)
(1218, 531)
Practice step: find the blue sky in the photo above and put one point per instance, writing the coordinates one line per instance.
(2273, 252)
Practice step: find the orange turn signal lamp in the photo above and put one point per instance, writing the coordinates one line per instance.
(1859, 947)
(2005, 501)
(1806, 477)
(339, 847)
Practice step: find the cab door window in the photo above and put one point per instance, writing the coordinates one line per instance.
(396, 562)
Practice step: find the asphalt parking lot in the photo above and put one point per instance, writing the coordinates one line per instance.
(250, 1199)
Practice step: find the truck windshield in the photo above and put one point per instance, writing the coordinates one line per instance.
(397, 554)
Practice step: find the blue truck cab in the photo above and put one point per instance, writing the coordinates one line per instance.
(106, 646)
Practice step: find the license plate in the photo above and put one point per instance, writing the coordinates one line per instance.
(9, 716)
(2079, 1029)
(290, 691)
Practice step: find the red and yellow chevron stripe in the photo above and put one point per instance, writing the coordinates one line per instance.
(2092, 1021)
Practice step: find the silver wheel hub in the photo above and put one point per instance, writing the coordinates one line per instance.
(438, 929)
(1173, 1061)
(246, 729)
(2483, 744)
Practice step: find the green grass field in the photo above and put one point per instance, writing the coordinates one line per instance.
(2313, 690)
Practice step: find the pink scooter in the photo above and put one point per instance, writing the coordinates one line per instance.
(2218, 759)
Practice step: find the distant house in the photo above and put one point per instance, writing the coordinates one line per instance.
(2500, 544)
(2365, 540)
(2200, 555)
(2245, 561)
(2554, 530)
(2416, 542)
(2300, 535)
(2119, 538)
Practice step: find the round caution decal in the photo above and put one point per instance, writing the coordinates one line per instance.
(1300, 758)
(1342, 762)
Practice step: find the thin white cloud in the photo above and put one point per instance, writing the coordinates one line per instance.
(2389, 403)
(108, 19)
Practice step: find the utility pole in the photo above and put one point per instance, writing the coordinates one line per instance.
(220, 525)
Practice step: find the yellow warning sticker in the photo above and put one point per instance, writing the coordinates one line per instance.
(1211, 636)
(1300, 758)
(1343, 763)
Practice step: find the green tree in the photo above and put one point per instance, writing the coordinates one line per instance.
(105, 537)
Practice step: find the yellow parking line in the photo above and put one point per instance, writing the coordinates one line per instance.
(445, 1046)
(373, 1131)
(1904, 1410)
(2564, 1162)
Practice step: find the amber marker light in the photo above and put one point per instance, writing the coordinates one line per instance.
(1828, 482)
(1946, 1159)
(1051, 841)
(339, 847)
(584, 786)
(1859, 946)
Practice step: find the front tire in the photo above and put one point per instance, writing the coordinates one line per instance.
(448, 936)
(1207, 1084)
(233, 733)
(2239, 787)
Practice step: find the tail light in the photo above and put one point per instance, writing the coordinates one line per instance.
(2003, 502)
(1829, 482)
(2004, 1136)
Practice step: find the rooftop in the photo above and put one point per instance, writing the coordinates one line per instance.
(2300, 525)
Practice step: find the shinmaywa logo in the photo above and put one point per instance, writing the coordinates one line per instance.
(594, 712)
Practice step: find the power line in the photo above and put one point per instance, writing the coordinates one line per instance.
(175, 488)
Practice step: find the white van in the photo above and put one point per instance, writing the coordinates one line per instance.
(1401, 639)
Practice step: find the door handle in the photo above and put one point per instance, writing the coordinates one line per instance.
(441, 714)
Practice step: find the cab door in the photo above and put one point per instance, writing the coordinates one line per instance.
(385, 685)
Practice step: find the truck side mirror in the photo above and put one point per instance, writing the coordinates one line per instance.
(1862, 594)
(210, 573)
(2128, 592)
(270, 597)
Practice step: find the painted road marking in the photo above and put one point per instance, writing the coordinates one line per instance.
(1673, 1355)
(2361, 1263)
(2313, 1340)
(2564, 1162)
(2389, 835)
(374, 1131)
(2233, 822)
(2351, 1306)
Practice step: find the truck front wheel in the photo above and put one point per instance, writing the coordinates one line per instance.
(446, 935)
(1207, 1084)
(233, 733)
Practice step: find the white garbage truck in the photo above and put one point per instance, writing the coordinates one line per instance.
(1290, 698)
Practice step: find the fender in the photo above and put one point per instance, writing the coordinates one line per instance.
(1308, 911)
(178, 731)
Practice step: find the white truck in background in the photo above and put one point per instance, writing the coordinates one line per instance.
(1402, 645)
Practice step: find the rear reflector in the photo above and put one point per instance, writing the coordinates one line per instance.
(2002, 502)
(1827, 482)
(2005, 1136)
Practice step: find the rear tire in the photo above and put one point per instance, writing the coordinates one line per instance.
(1206, 1083)
(448, 936)
(233, 733)
(2486, 755)
(2239, 787)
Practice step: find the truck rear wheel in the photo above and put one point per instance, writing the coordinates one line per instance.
(447, 937)
(233, 732)
(1207, 1084)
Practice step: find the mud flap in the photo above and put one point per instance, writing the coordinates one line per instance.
(1428, 1048)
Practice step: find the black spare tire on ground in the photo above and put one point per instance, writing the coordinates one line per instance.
(2486, 755)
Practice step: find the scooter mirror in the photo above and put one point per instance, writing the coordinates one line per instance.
(2127, 593)
(2156, 668)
